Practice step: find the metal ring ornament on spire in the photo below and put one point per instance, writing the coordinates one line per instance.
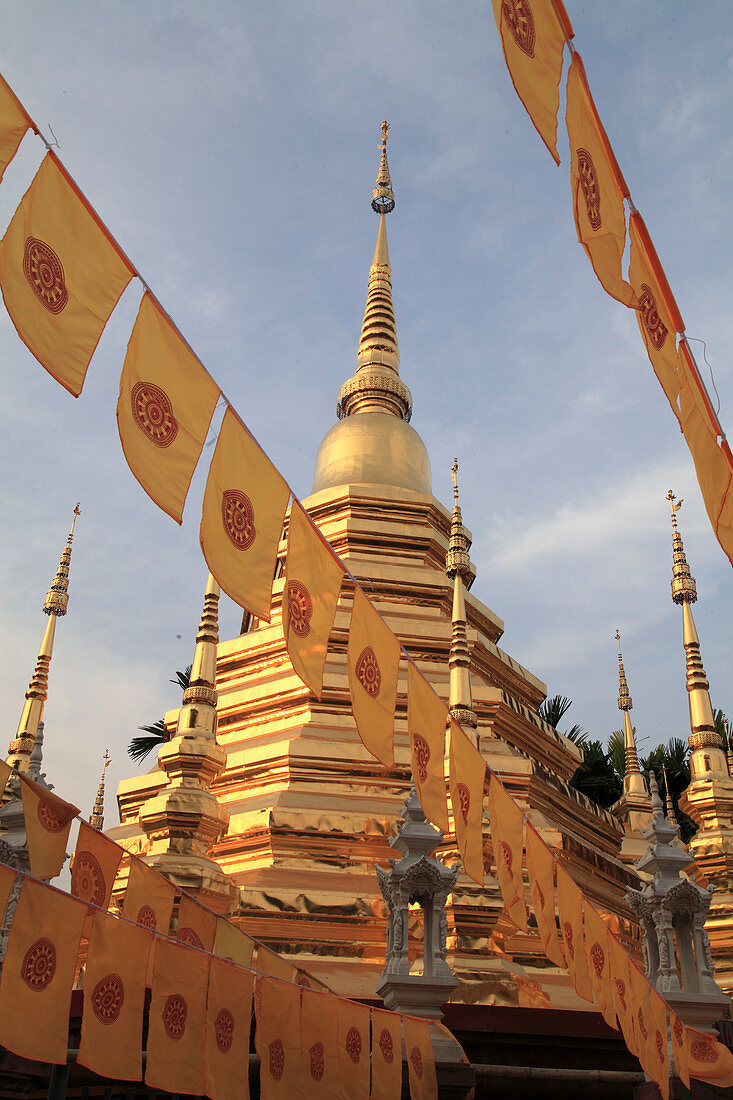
(382, 195)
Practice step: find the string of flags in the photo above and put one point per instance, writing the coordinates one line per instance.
(533, 36)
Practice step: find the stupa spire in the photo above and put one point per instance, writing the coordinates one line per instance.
(376, 385)
(633, 779)
(96, 819)
(458, 569)
(55, 604)
(668, 798)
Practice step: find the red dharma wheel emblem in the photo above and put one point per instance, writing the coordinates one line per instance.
(518, 15)
(659, 1041)
(277, 1059)
(147, 918)
(152, 411)
(224, 1030)
(108, 998)
(416, 1059)
(506, 855)
(386, 1046)
(87, 880)
(49, 819)
(702, 1050)
(367, 672)
(300, 608)
(421, 752)
(621, 992)
(567, 931)
(318, 1061)
(45, 274)
(39, 965)
(464, 800)
(238, 517)
(175, 1011)
(655, 328)
(187, 935)
(678, 1031)
(589, 186)
(598, 958)
(642, 1023)
(353, 1044)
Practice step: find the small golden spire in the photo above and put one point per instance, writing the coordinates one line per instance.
(684, 589)
(670, 807)
(382, 196)
(633, 779)
(96, 819)
(54, 605)
(458, 569)
(198, 712)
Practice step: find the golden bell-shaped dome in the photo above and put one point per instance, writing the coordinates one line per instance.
(373, 448)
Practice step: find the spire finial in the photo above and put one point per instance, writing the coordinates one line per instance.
(624, 699)
(96, 819)
(198, 712)
(382, 195)
(57, 597)
(668, 798)
(633, 779)
(458, 569)
(684, 589)
(454, 475)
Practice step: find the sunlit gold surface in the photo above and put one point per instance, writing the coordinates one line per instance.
(372, 449)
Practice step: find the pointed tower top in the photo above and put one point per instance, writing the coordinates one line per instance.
(633, 779)
(684, 589)
(657, 807)
(624, 699)
(382, 196)
(668, 798)
(96, 819)
(457, 560)
(57, 597)
(458, 569)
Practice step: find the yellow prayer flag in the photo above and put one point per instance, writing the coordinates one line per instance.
(570, 910)
(277, 1039)
(164, 409)
(420, 1062)
(541, 874)
(313, 577)
(38, 973)
(149, 897)
(660, 1047)
(708, 1060)
(353, 1041)
(48, 820)
(94, 866)
(61, 275)
(7, 881)
(114, 997)
(386, 1055)
(427, 716)
(373, 659)
(598, 187)
(5, 771)
(678, 1032)
(242, 518)
(467, 775)
(506, 822)
(532, 38)
(176, 1035)
(232, 943)
(642, 1013)
(13, 124)
(597, 953)
(274, 965)
(196, 924)
(320, 1046)
(622, 997)
(228, 1025)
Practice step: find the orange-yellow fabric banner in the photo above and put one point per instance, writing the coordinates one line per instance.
(114, 997)
(164, 409)
(659, 1045)
(373, 659)
(5, 771)
(7, 881)
(467, 774)
(277, 1039)
(274, 965)
(570, 911)
(38, 973)
(419, 1055)
(61, 275)
(708, 1060)
(506, 822)
(177, 1034)
(321, 1053)
(228, 1024)
(232, 943)
(532, 38)
(597, 953)
(427, 717)
(598, 187)
(353, 1039)
(47, 823)
(13, 125)
(94, 866)
(386, 1055)
(310, 596)
(642, 1012)
(678, 1033)
(196, 924)
(622, 997)
(242, 518)
(149, 897)
(541, 874)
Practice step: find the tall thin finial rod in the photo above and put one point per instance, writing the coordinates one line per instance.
(670, 807)
(454, 475)
(383, 196)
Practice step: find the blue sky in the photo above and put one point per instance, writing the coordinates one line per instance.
(232, 149)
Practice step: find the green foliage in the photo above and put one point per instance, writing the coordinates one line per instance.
(141, 747)
(596, 777)
(553, 709)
